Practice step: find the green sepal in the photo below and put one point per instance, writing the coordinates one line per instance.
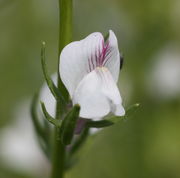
(99, 124)
(77, 144)
(69, 124)
(114, 119)
(129, 113)
(106, 36)
(54, 90)
(49, 118)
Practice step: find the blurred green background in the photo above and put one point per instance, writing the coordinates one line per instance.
(146, 146)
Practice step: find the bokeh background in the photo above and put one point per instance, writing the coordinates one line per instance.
(147, 145)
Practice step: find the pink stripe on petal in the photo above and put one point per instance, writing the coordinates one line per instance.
(104, 52)
(89, 65)
(107, 59)
(101, 55)
(93, 66)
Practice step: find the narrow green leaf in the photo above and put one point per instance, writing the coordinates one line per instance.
(71, 161)
(99, 124)
(53, 121)
(77, 144)
(129, 113)
(54, 90)
(114, 119)
(63, 89)
(38, 127)
(69, 124)
(41, 132)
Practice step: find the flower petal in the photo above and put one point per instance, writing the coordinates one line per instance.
(88, 94)
(98, 94)
(77, 59)
(111, 91)
(118, 110)
(112, 60)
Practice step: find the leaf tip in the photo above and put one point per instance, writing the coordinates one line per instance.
(43, 43)
(137, 104)
(77, 106)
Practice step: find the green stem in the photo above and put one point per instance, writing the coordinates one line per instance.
(65, 34)
(65, 37)
(58, 157)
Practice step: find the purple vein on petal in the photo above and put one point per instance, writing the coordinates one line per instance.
(100, 57)
(89, 65)
(93, 66)
(107, 58)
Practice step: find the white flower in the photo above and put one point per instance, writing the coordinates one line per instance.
(89, 70)
(165, 74)
(18, 144)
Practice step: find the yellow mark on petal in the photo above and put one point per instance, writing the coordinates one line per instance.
(104, 69)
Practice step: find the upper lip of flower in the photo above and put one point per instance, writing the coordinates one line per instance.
(96, 61)
(101, 56)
